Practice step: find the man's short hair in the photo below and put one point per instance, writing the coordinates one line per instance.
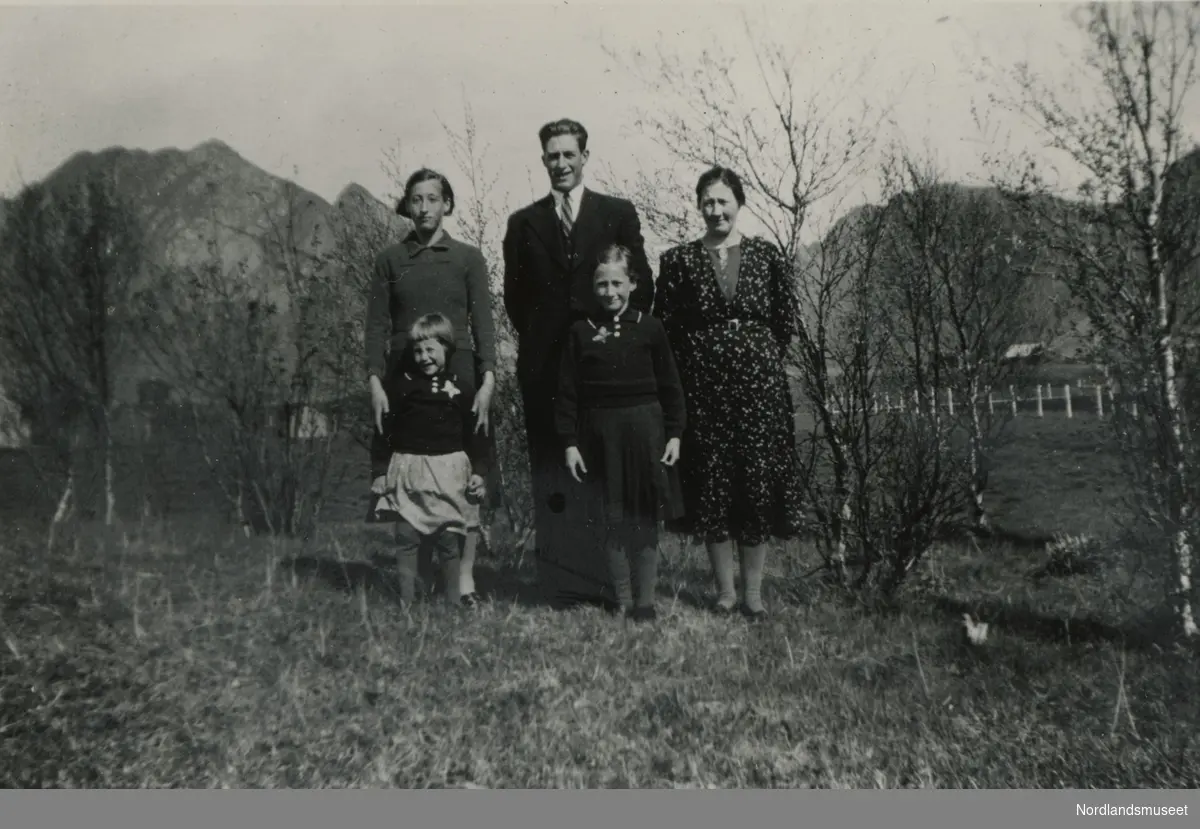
(564, 126)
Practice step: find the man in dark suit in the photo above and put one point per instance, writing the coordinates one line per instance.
(550, 255)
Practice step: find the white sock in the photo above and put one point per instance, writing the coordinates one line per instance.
(466, 579)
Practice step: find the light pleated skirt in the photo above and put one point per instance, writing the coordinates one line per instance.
(429, 492)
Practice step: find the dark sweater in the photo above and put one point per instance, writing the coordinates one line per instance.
(602, 370)
(409, 281)
(432, 416)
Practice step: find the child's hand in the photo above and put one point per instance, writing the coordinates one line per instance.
(475, 488)
(575, 463)
(672, 454)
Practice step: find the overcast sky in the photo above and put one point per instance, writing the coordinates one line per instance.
(321, 94)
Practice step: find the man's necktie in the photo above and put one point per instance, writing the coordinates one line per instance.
(566, 221)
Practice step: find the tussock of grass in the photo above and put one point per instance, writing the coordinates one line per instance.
(218, 667)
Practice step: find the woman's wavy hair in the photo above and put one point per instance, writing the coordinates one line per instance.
(721, 175)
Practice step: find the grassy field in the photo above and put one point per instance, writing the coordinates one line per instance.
(187, 655)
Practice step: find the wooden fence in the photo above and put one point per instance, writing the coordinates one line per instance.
(1045, 398)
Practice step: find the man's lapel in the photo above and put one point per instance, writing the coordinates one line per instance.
(545, 224)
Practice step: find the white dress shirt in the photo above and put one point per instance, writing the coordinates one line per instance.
(576, 198)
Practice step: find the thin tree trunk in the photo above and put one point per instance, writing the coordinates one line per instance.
(110, 496)
(239, 506)
(1179, 497)
(1178, 500)
(64, 507)
(979, 515)
(841, 516)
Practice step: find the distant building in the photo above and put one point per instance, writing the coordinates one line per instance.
(308, 424)
(1025, 352)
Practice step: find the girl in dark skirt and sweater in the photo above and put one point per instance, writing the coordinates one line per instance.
(620, 415)
(435, 479)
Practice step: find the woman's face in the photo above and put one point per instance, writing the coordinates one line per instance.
(427, 206)
(612, 286)
(719, 208)
(429, 355)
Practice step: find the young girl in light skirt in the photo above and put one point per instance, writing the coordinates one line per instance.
(435, 479)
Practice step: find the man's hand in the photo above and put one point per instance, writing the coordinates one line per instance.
(475, 488)
(575, 463)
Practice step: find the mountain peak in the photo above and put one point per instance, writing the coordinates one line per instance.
(354, 200)
(354, 192)
(213, 148)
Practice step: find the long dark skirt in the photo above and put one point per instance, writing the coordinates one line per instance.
(626, 483)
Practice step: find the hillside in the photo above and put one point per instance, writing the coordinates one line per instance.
(1066, 339)
(187, 198)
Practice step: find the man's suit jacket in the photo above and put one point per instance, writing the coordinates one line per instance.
(544, 291)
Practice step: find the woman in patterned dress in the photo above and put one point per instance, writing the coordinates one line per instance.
(728, 306)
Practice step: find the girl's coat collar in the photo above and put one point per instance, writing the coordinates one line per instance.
(629, 315)
(606, 326)
(443, 376)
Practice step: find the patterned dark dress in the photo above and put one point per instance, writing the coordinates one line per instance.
(739, 463)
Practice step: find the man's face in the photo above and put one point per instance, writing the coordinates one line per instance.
(564, 162)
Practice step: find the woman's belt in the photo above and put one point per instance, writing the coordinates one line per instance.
(731, 324)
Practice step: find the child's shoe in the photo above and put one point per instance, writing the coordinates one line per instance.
(759, 615)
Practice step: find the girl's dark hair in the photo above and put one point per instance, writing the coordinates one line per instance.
(617, 255)
(433, 327)
(425, 174)
(722, 175)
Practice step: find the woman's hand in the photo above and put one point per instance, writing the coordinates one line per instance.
(672, 454)
(483, 402)
(575, 463)
(475, 488)
(379, 401)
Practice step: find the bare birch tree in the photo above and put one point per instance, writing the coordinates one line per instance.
(840, 359)
(267, 355)
(1131, 243)
(794, 150)
(482, 215)
(974, 270)
(70, 258)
